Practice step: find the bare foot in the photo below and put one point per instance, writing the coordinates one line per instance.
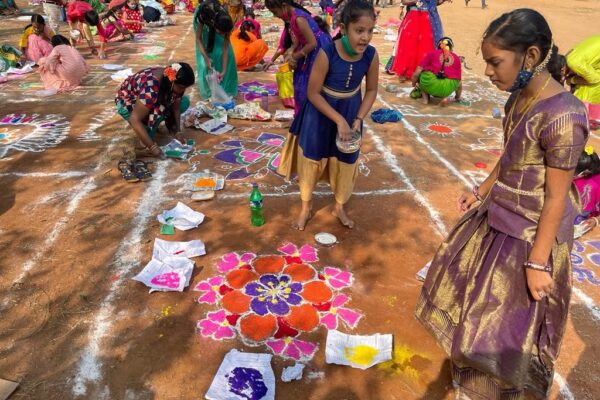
(444, 102)
(425, 98)
(303, 218)
(339, 212)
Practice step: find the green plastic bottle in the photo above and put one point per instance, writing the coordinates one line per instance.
(256, 206)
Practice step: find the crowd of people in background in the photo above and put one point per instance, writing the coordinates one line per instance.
(519, 221)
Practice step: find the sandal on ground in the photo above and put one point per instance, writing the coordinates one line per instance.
(126, 171)
(140, 168)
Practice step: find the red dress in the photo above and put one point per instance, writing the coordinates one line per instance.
(132, 15)
(76, 11)
(415, 39)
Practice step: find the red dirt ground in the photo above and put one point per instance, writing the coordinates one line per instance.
(73, 233)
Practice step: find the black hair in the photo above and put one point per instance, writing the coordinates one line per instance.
(36, 18)
(588, 163)
(287, 42)
(213, 15)
(355, 9)
(185, 77)
(520, 29)
(352, 11)
(450, 42)
(92, 17)
(244, 27)
(112, 11)
(58, 40)
(249, 13)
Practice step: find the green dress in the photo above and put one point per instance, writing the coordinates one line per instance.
(230, 79)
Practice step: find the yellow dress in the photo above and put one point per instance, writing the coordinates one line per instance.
(584, 60)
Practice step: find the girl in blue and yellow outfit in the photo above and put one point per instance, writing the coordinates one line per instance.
(334, 105)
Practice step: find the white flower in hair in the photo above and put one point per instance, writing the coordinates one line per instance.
(176, 66)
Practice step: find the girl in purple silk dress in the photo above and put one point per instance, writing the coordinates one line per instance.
(302, 38)
(497, 294)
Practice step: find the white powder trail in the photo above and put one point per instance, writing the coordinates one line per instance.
(126, 258)
(390, 159)
(430, 148)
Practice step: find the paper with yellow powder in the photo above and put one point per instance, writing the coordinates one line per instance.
(357, 351)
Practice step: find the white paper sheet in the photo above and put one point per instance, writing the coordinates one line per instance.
(181, 217)
(121, 75)
(215, 127)
(113, 67)
(284, 115)
(165, 248)
(243, 376)
(357, 351)
(170, 274)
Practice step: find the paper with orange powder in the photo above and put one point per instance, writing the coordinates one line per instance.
(357, 351)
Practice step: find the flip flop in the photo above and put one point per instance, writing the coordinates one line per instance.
(126, 171)
(140, 169)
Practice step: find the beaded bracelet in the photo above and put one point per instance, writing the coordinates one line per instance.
(537, 267)
(475, 192)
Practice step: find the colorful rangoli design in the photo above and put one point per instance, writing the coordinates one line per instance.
(273, 300)
(438, 129)
(254, 90)
(251, 157)
(585, 253)
(31, 132)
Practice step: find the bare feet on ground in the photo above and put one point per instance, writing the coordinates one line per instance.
(304, 216)
(339, 212)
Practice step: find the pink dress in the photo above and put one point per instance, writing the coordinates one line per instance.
(36, 47)
(589, 193)
(63, 69)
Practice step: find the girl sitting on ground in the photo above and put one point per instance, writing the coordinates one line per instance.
(439, 74)
(153, 95)
(64, 68)
(247, 48)
(35, 39)
(249, 16)
(587, 181)
(113, 27)
(334, 105)
(132, 16)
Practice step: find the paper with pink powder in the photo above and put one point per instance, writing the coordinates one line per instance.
(169, 274)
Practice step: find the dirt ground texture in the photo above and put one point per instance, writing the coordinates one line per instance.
(74, 325)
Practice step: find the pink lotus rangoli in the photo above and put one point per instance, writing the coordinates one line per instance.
(273, 300)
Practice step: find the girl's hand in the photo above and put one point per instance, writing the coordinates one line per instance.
(220, 76)
(268, 65)
(292, 62)
(357, 125)
(208, 63)
(540, 283)
(180, 138)
(465, 201)
(157, 152)
(344, 130)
